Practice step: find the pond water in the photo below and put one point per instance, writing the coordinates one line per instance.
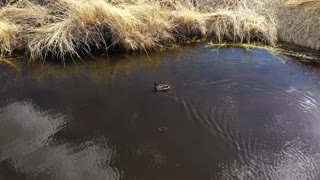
(230, 114)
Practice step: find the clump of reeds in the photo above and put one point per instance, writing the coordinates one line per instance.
(68, 28)
(8, 41)
(87, 24)
(299, 23)
(187, 23)
(22, 19)
(73, 28)
(241, 26)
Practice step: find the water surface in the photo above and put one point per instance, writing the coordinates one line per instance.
(230, 114)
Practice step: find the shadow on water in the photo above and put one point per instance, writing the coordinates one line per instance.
(228, 115)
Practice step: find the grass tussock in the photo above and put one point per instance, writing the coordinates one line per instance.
(299, 23)
(71, 28)
(187, 23)
(241, 27)
(67, 28)
(8, 41)
(98, 24)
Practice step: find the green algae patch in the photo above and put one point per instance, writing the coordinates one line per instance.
(306, 55)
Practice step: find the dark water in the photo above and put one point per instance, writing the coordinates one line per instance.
(229, 115)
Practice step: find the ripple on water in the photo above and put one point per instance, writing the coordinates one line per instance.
(292, 162)
(242, 114)
(218, 119)
(302, 100)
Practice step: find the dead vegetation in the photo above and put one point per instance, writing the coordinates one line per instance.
(299, 23)
(8, 33)
(70, 28)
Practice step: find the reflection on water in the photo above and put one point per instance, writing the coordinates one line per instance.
(28, 146)
(229, 115)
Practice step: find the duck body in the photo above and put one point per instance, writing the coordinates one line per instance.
(161, 87)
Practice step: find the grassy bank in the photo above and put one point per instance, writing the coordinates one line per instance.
(70, 28)
(299, 23)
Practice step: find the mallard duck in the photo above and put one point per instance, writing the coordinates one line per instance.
(161, 87)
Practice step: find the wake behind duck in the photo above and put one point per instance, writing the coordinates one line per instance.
(161, 87)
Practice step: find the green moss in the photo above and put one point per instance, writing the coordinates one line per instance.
(303, 56)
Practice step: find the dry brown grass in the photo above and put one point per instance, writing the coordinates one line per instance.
(98, 24)
(299, 23)
(8, 41)
(240, 27)
(70, 28)
(23, 18)
(187, 23)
